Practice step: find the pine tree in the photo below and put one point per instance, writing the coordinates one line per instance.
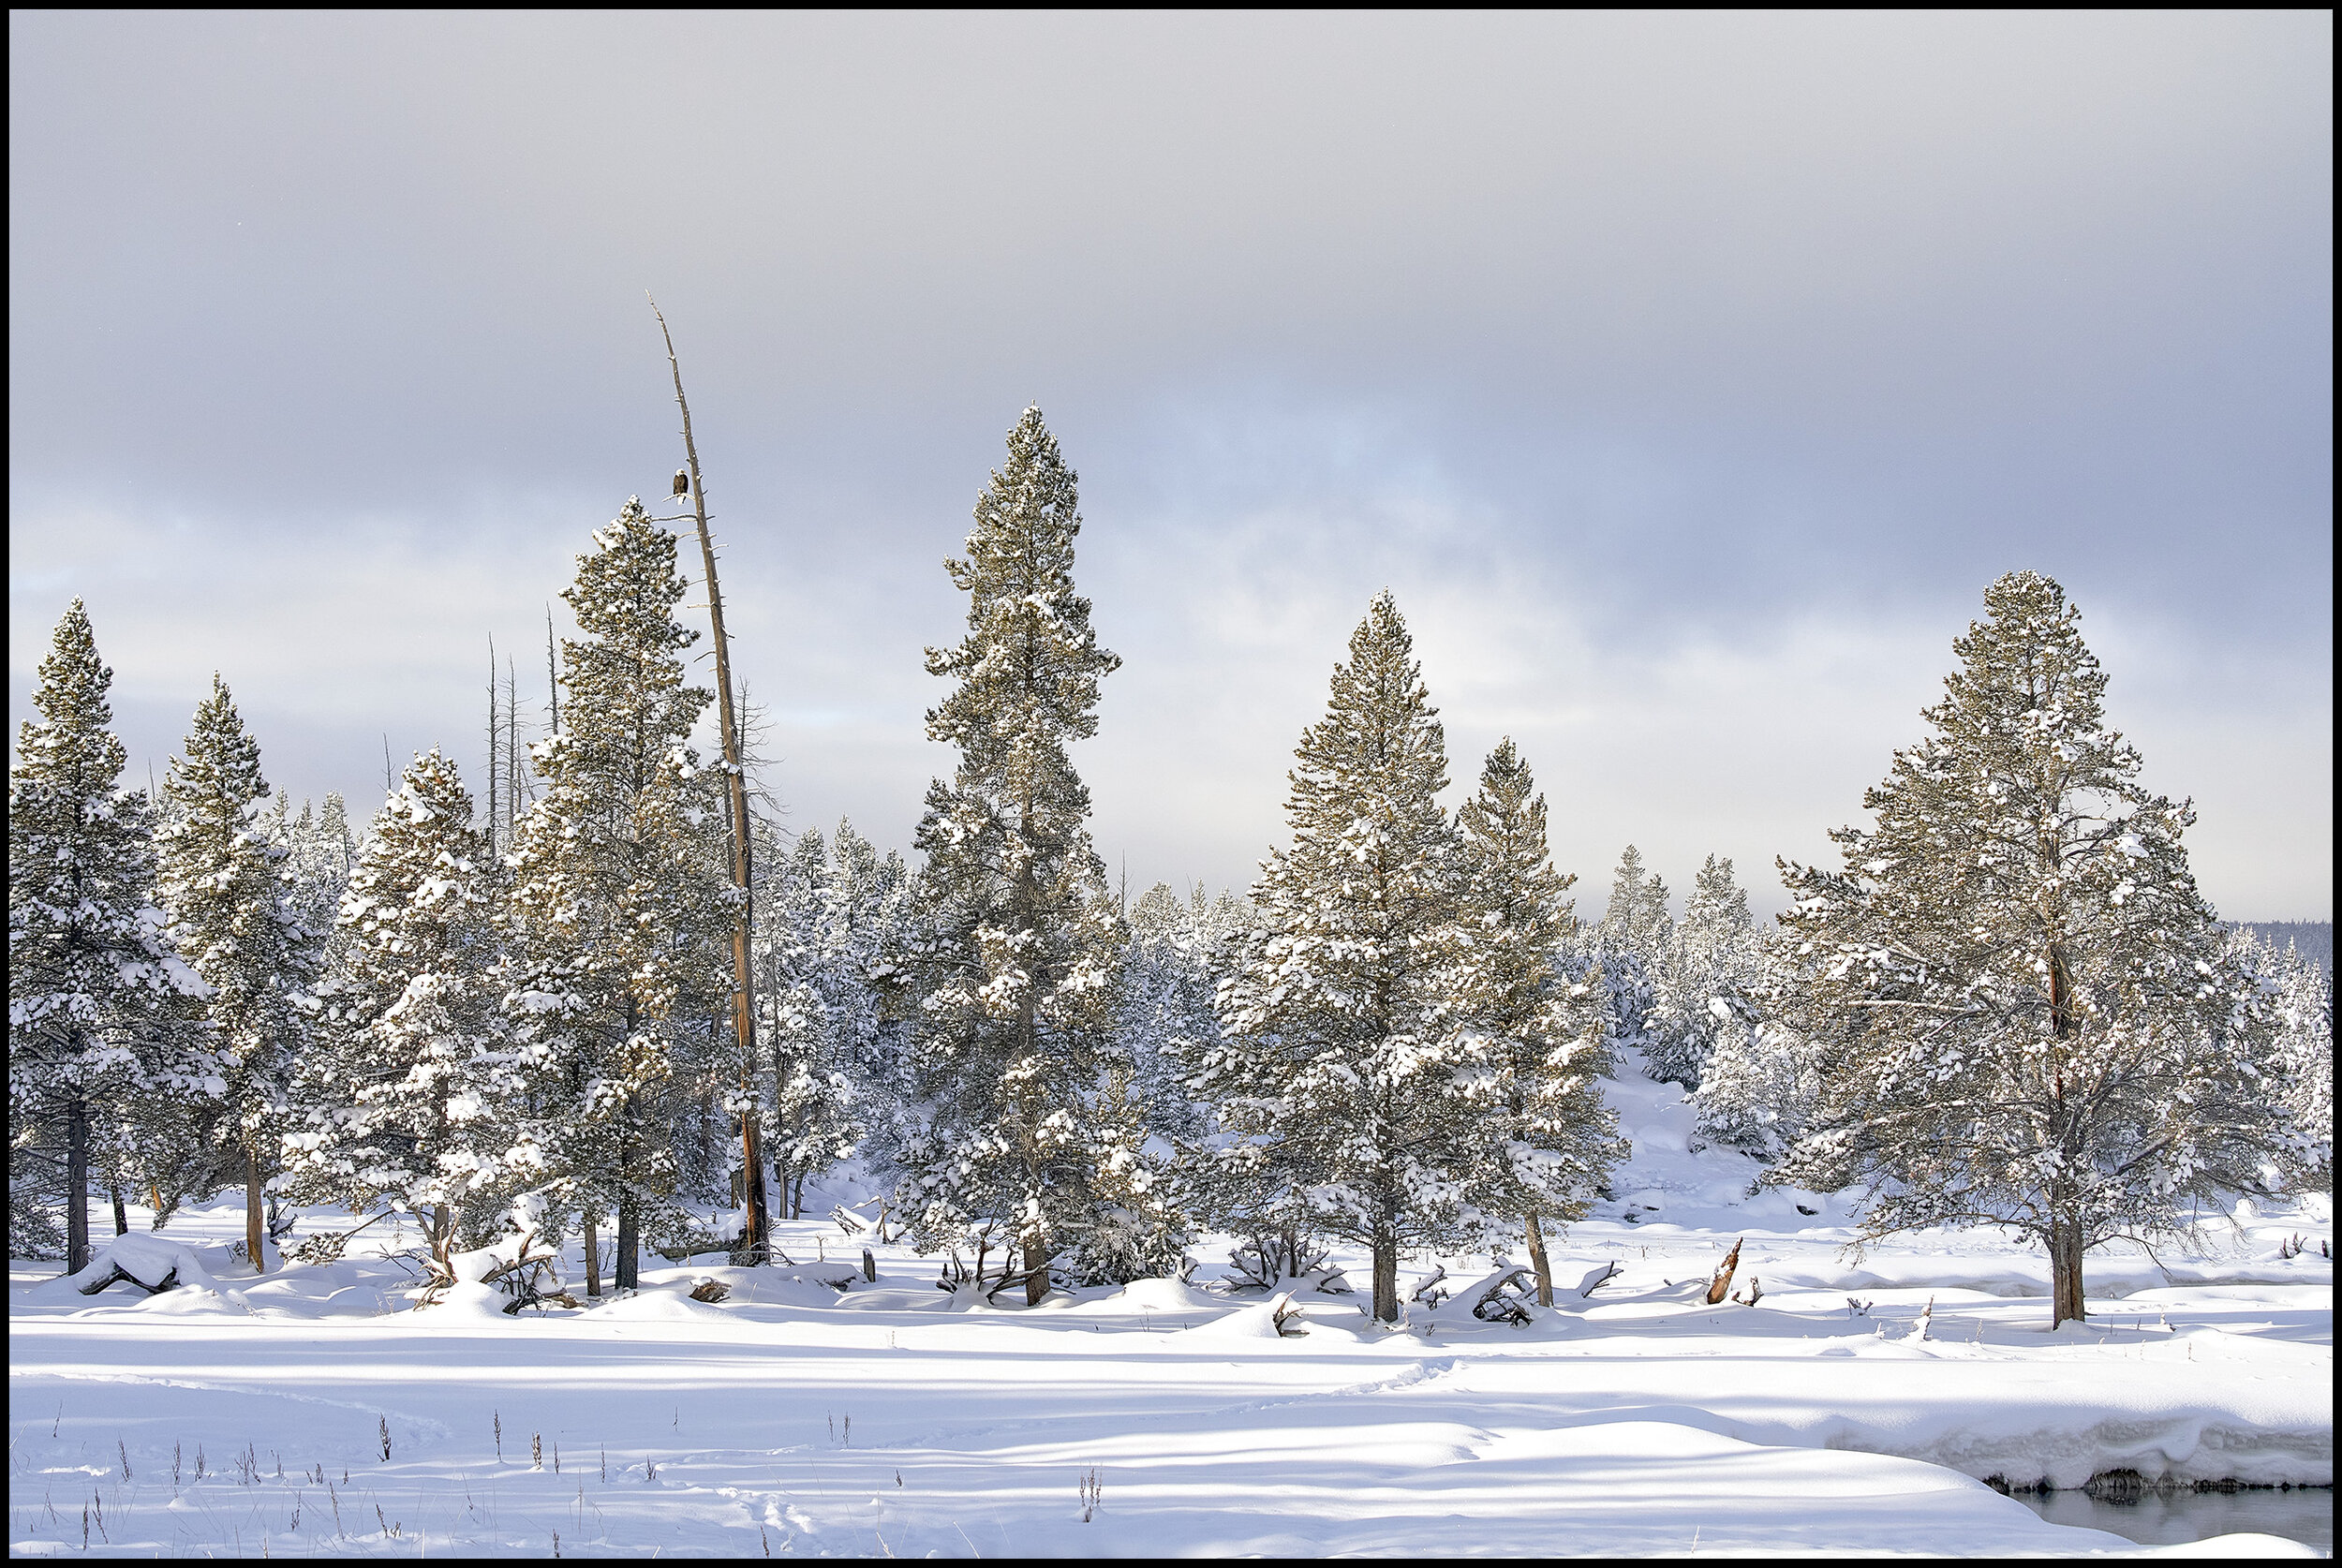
(1759, 1077)
(1352, 1093)
(1171, 973)
(1017, 972)
(413, 1101)
(620, 905)
(2299, 1000)
(1636, 915)
(233, 919)
(1704, 981)
(2037, 1025)
(91, 979)
(1554, 1140)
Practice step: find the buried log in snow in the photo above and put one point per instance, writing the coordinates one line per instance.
(1721, 1286)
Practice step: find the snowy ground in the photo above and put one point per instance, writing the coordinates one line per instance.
(893, 1418)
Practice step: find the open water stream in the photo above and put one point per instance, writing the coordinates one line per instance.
(2303, 1514)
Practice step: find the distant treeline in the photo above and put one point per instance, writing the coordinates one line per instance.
(2312, 939)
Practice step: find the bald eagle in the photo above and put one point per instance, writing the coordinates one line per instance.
(682, 482)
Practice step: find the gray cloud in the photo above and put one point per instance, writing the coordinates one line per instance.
(1687, 377)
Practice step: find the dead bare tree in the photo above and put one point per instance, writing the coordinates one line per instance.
(756, 1232)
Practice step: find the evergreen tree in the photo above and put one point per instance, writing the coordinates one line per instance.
(1016, 972)
(91, 979)
(413, 1101)
(1554, 1140)
(233, 919)
(1636, 915)
(1170, 976)
(1704, 982)
(1759, 1077)
(1353, 1094)
(2037, 1026)
(827, 922)
(2299, 1000)
(619, 903)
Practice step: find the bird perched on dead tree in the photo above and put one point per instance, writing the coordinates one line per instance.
(682, 483)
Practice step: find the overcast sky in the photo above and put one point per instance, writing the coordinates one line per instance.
(1686, 378)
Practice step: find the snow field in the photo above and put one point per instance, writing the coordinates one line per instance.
(891, 1416)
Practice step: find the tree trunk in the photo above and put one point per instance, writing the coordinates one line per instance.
(76, 1184)
(255, 1212)
(797, 1198)
(593, 1257)
(2066, 1273)
(628, 1266)
(1386, 1277)
(441, 1252)
(1537, 1260)
(122, 1213)
(1037, 1254)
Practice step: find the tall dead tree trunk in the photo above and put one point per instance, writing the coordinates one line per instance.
(755, 1232)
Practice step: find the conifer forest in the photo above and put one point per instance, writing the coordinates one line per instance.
(381, 1171)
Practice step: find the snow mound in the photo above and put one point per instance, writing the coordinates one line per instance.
(471, 1301)
(2230, 1546)
(1248, 1322)
(148, 1259)
(1162, 1295)
(659, 1307)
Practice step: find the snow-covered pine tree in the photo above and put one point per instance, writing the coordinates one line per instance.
(619, 902)
(233, 919)
(1170, 977)
(412, 1101)
(1356, 1101)
(827, 919)
(1704, 981)
(2299, 999)
(1620, 956)
(1760, 1077)
(2037, 1025)
(1636, 917)
(1552, 1140)
(1018, 971)
(91, 980)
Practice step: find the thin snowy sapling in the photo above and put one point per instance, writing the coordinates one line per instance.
(2034, 1023)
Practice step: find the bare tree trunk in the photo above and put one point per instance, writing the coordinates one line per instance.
(736, 802)
(76, 1184)
(1037, 1255)
(493, 736)
(628, 1266)
(593, 1256)
(122, 1213)
(1386, 1277)
(255, 1210)
(2066, 1273)
(1537, 1260)
(1721, 1285)
(441, 1252)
